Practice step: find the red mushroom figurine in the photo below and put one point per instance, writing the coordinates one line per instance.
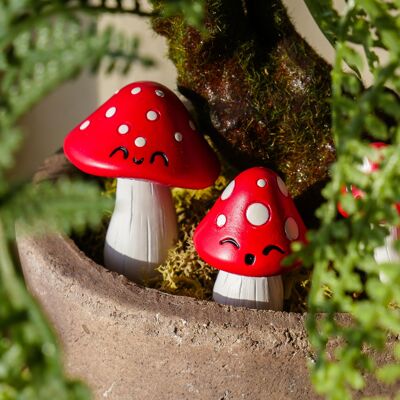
(387, 252)
(145, 137)
(246, 235)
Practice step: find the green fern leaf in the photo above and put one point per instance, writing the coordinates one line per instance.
(64, 205)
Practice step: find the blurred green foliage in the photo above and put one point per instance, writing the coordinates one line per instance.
(45, 42)
(42, 44)
(342, 250)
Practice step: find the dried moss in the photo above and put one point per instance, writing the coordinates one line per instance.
(184, 273)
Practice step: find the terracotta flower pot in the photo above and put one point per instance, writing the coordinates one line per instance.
(129, 342)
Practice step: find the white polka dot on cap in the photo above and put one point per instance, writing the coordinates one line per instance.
(221, 220)
(140, 141)
(228, 191)
(151, 115)
(291, 229)
(178, 136)
(123, 129)
(257, 214)
(136, 90)
(261, 183)
(282, 186)
(84, 125)
(111, 112)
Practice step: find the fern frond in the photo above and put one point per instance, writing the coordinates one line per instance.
(10, 139)
(38, 60)
(64, 205)
(58, 52)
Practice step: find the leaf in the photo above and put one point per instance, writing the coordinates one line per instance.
(59, 51)
(191, 11)
(64, 205)
(389, 373)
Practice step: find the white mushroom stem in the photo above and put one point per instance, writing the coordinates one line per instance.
(388, 253)
(142, 229)
(245, 291)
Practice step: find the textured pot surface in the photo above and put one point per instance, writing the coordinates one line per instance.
(129, 342)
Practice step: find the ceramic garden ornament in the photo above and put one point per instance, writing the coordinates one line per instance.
(246, 235)
(387, 252)
(145, 137)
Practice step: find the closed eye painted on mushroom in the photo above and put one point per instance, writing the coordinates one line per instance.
(120, 148)
(270, 247)
(231, 241)
(159, 154)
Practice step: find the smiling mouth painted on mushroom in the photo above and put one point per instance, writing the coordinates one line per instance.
(139, 161)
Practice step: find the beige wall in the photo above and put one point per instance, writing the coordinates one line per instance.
(48, 123)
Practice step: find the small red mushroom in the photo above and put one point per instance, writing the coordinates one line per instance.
(367, 167)
(246, 235)
(387, 252)
(144, 136)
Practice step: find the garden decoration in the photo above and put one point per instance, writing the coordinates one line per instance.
(387, 252)
(145, 137)
(246, 235)
(367, 167)
(265, 98)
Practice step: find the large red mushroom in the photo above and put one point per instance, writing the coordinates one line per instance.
(144, 136)
(246, 235)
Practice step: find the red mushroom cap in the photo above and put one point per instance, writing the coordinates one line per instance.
(367, 167)
(249, 229)
(144, 132)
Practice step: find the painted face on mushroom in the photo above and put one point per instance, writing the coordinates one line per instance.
(144, 132)
(250, 228)
(144, 136)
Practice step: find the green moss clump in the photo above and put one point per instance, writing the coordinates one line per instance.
(259, 90)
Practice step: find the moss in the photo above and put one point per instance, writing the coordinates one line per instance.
(184, 273)
(259, 90)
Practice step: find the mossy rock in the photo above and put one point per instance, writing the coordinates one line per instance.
(259, 90)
